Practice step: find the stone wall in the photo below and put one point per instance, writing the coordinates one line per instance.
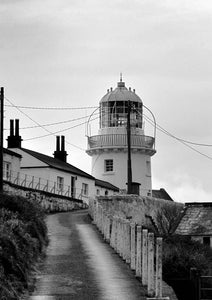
(50, 203)
(141, 210)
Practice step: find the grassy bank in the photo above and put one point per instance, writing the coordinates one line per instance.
(23, 235)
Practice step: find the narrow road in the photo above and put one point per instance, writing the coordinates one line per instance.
(81, 266)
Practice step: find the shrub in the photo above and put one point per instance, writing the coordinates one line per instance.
(180, 254)
(23, 234)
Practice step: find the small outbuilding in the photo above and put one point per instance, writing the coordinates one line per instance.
(196, 222)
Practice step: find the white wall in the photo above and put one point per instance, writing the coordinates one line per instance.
(119, 176)
(14, 161)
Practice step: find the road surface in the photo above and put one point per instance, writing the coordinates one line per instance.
(79, 265)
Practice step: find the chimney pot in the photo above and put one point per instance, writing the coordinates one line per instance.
(11, 127)
(62, 143)
(16, 127)
(57, 143)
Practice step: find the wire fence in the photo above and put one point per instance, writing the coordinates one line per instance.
(45, 185)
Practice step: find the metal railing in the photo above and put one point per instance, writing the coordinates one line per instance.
(120, 140)
(41, 184)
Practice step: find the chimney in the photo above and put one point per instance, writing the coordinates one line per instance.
(62, 143)
(14, 141)
(16, 127)
(60, 152)
(11, 127)
(57, 143)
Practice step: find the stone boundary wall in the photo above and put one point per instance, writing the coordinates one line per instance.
(141, 210)
(49, 202)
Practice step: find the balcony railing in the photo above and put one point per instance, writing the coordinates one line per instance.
(120, 141)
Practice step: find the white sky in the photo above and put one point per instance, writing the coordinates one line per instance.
(67, 53)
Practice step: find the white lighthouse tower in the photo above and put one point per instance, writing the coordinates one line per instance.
(109, 149)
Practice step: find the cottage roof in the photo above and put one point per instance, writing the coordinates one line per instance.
(161, 194)
(57, 164)
(196, 220)
(106, 185)
(7, 151)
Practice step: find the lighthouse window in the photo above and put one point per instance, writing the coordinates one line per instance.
(108, 165)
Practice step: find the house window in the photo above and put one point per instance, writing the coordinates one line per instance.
(6, 170)
(98, 192)
(106, 193)
(60, 183)
(206, 240)
(108, 165)
(85, 189)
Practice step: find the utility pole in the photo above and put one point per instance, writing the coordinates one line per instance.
(129, 165)
(1, 136)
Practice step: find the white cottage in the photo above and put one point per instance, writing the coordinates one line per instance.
(54, 174)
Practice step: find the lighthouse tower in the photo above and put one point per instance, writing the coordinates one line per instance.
(109, 149)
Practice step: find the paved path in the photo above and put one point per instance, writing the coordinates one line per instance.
(80, 266)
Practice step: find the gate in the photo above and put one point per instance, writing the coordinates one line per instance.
(205, 288)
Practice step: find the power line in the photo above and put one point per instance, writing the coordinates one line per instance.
(56, 123)
(59, 131)
(160, 128)
(50, 133)
(51, 108)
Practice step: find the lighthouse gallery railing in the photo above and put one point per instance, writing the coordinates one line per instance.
(120, 140)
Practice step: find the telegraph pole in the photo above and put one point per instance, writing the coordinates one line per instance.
(1, 136)
(129, 165)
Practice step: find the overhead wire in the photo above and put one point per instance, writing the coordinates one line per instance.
(50, 108)
(41, 126)
(52, 124)
(160, 128)
(59, 131)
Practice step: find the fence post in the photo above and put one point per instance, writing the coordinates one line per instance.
(151, 281)
(133, 258)
(138, 252)
(128, 242)
(159, 242)
(144, 256)
(195, 279)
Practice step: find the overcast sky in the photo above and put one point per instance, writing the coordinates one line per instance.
(67, 53)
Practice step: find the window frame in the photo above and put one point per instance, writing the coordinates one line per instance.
(84, 189)
(7, 167)
(108, 165)
(60, 183)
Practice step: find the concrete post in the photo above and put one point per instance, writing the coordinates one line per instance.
(151, 279)
(124, 239)
(108, 229)
(144, 256)
(159, 267)
(133, 258)
(118, 236)
(138, 253)
(112, 239)
(128, 242)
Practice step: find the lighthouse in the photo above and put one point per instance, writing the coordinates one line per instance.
(109, 148)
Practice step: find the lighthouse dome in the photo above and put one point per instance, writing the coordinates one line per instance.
(121, 93)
